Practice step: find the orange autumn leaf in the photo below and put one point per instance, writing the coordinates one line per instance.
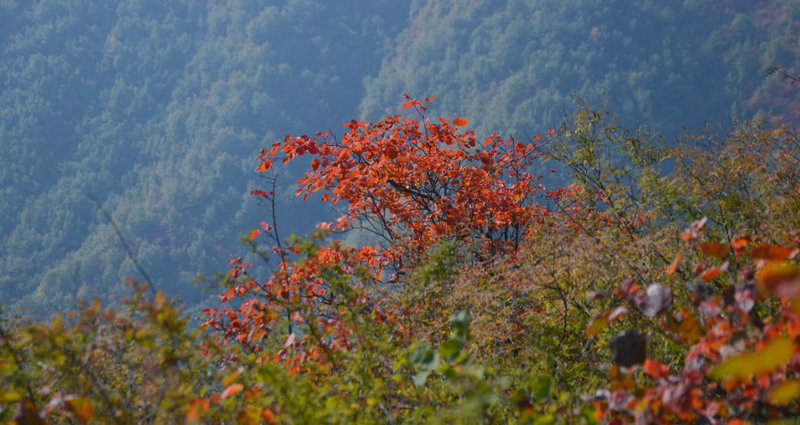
(771, 252)
(420, 182)
(231, 391)
(655, 369)
(268, 416)
(673, 267)
(81, 407)
(713, 249)
(197, 408)
(253, 234)
(264, 166)
(740, 242)
(710, 274)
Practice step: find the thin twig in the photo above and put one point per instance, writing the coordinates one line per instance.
(122, 242)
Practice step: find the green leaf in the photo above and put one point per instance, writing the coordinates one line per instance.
(420, 378)
(460, 324)
(450, 349)
(425, 357)
(542, 387)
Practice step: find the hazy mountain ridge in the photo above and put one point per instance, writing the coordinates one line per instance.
(158, 111)
(514, 65)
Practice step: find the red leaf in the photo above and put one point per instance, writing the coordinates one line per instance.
(264, 166)
(714, 249)
(655, 369)
(740, 242)
(710, 274)
(772, 252)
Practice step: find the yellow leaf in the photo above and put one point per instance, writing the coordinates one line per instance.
(160, 299)
(784, 393)
(774, 355)
(231, 378)
(250, 415)
(776, 278)
(10, 397)
(597, 325)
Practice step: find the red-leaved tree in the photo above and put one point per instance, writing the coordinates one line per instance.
(413, 183)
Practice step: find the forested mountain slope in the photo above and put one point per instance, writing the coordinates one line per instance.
(516, 64)
(157, 109)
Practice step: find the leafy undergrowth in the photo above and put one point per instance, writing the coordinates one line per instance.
(659, 286)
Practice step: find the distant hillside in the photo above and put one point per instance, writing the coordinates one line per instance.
(513, 66)
(158, 109)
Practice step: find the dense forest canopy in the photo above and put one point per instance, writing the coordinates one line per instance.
(516, 64)
(155, 109)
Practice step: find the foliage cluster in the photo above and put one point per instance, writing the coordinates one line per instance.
(660, 285)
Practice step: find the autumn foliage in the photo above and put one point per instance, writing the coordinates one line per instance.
(659, 284)
(415, 182)
(739, 329)
(411, 184)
